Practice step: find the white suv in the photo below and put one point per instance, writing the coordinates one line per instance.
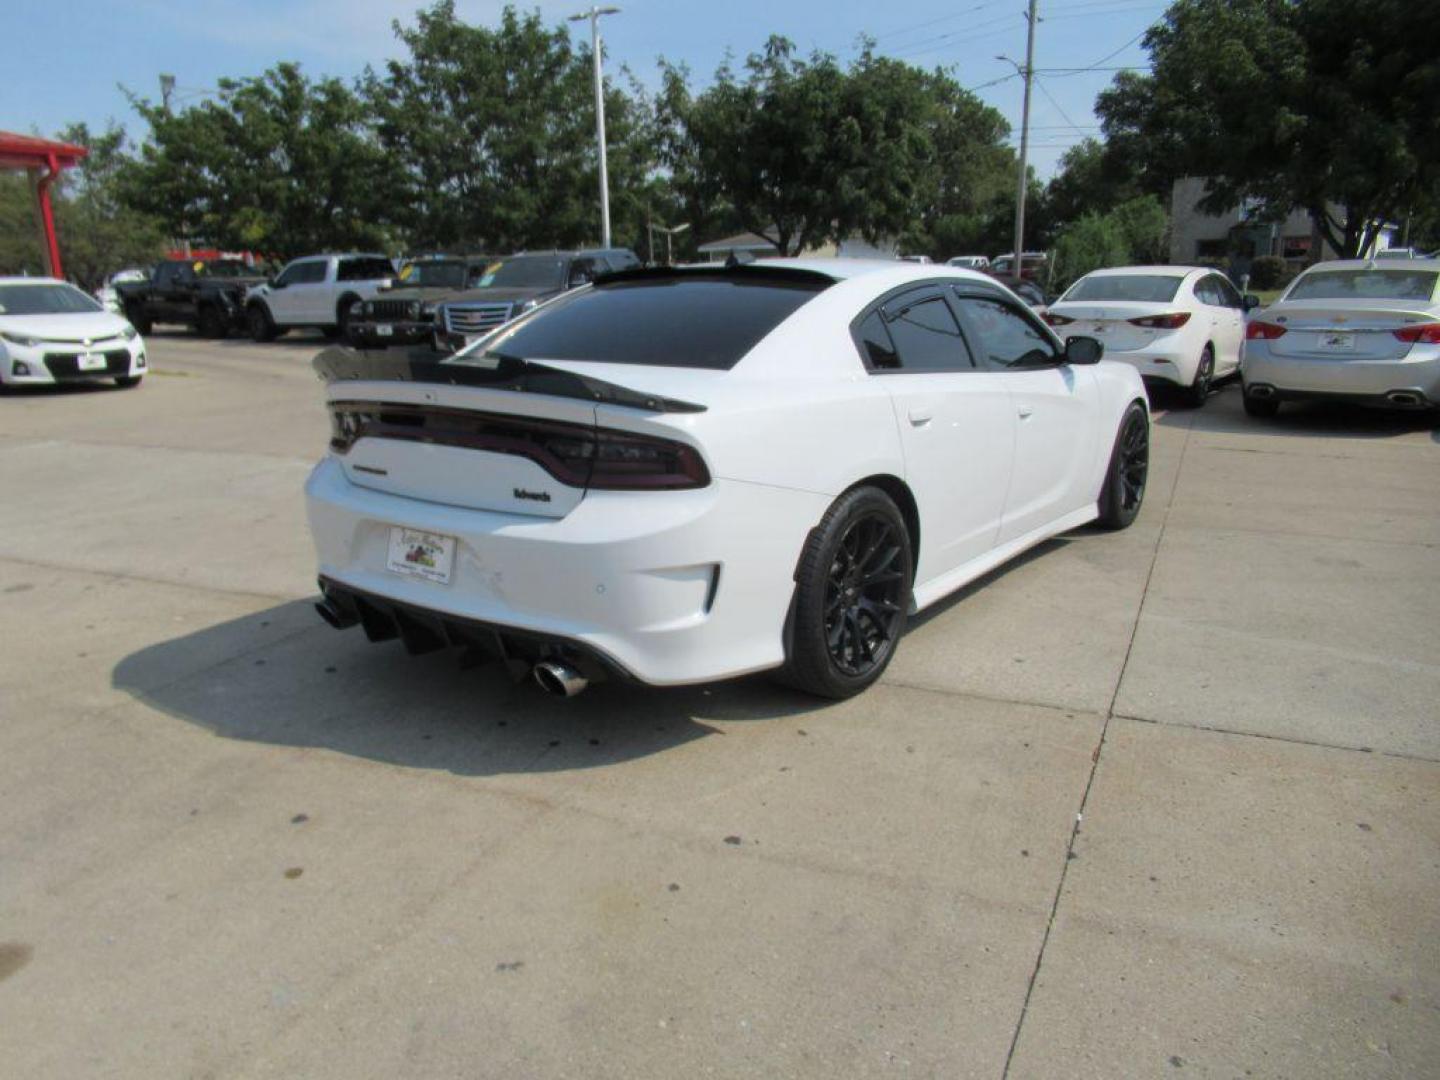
(315, 291)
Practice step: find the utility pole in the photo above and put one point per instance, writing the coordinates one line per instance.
(1028, 73)
(594, 16)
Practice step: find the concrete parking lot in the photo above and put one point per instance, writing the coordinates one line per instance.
(1163, 802)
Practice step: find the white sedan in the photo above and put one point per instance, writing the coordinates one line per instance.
(1181, 325)
(51, 332)
(681, 475)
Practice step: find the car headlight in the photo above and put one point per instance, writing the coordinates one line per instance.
(22, 339)
(412, 309)
(129, 333)
(526, 305)
(427, 310)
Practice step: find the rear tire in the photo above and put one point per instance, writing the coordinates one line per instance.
(135, 315)
(1195, 394)
(262, 326)
(1129, 469)
(852, 594)
(1258, 407)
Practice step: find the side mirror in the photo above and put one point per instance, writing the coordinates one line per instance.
(1083, 350)
(1251, 302)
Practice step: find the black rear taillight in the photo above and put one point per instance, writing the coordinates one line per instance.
(574, 454)
(628, 462)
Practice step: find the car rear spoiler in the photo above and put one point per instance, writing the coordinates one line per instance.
(340, 363)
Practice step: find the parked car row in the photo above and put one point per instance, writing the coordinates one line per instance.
(1352, 330)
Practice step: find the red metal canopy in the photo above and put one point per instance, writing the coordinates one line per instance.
(42, 159)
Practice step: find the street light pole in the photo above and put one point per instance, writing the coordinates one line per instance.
(594, 16)
(1028, 73)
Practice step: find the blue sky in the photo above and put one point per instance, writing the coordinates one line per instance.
(75, 52)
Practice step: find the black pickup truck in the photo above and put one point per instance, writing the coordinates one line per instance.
(207, 296)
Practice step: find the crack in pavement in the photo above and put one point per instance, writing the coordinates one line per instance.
(1095, 760)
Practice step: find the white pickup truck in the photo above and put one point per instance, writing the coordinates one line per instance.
(315, 291)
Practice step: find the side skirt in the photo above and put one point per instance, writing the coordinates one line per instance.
(940, 587)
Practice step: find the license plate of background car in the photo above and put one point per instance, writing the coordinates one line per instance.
(1340, 341)
(384, 329)
(90, 361)
(415, 553)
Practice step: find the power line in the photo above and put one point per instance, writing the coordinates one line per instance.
(1058, 107)
(935, 22)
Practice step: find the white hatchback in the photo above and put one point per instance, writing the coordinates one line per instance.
(1181, 325)
(51, 332)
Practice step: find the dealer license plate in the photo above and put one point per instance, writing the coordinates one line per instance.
(415, 553)
(384, 329)
(90, 361)
(1339, 340)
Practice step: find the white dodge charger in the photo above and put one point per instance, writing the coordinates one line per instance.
(682, 475)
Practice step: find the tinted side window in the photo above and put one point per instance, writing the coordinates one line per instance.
(1007, 338)
(165, 274)
(926, 335)
(1229, 295)
(366, 269)
(875, 343)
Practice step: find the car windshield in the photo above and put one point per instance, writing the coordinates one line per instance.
(525, 272)
(225, 268)
(44, 300)
(432, 275)
(1365, 285)
(1138, 288)
(693, 321)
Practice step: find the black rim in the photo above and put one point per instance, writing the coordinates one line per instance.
(1206, 372)
(863, 594)
(1134, 460)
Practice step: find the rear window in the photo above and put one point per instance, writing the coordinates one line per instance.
(1137, 288)
(365, 269)
(693, 322)
(1365, 285)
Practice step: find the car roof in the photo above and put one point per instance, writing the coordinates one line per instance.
(343, 255)
(1154, 271)
(900, 269)
(1371, 264)
(20, 280)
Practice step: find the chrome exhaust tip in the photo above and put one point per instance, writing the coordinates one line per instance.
(558, 679)
(1404, 398)
(1261, 390)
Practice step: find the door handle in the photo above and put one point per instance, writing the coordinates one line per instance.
(920, 417)
(1025, 411)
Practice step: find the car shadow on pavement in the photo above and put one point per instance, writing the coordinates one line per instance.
(282, 677)
(1223, 413)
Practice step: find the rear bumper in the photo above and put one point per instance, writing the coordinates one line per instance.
(1163, 365)
(1369, 381)
(667, 587)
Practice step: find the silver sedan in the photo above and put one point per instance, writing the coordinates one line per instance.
(1349, 330)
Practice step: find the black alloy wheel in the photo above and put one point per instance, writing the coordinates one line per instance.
(1196, 393)
(262, 327)
(862, 596)
(1124, 489)
(852, 596)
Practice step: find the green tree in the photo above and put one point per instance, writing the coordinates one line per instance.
(1309, 104)
(279, 164)
(1091, 242)
(493, 132)
(1090, 179)
(19, 234)
(803, 151)
(98, 233)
